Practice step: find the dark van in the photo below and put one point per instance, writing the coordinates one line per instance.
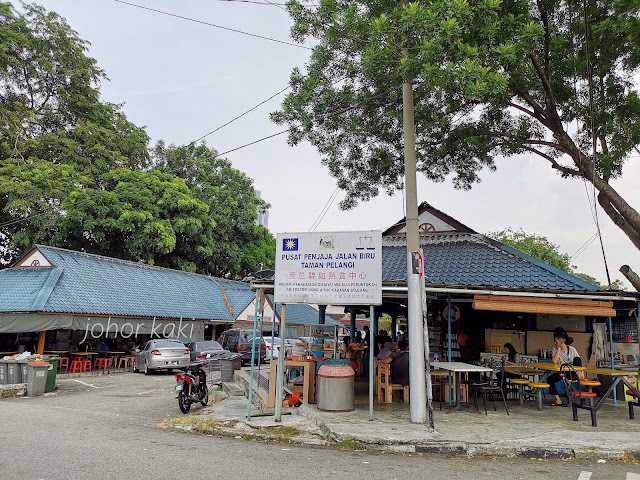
(240, 341)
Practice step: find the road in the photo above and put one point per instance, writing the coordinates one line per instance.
(99, 427)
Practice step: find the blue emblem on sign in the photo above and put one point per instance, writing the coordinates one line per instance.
(290, 244)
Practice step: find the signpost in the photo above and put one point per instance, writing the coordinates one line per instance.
(337, 268)
(340, 268)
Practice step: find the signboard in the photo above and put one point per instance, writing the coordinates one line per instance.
(340, 268)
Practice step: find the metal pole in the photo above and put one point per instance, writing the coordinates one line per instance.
(427, 355)
(615, 400)
(394, 326)
(253, 355)
(417, 393)
(352, 322)
(273, 330)
(322, 314)
(280, 376)
(449, 342)
(371, 373)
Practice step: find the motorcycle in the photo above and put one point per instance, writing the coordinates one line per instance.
(191, 386)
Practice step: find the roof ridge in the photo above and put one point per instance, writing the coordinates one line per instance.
(134, 264)
(514, 252)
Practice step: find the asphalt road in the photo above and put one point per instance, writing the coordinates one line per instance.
(106, 427)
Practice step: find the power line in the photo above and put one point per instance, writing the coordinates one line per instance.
(213, 25)
(324, 210)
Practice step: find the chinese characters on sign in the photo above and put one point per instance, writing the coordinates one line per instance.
(337, 268)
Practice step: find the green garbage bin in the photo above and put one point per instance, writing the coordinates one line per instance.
(50, 386)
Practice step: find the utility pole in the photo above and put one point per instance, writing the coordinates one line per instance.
(417, 392)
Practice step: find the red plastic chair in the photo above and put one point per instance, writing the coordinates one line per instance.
(86, 366)
(63, 362)
(76, 366)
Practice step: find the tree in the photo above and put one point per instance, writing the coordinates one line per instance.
(151, 217)
(56, 136)
(490, 78)
(240, 246)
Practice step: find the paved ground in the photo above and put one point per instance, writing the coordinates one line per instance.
(108, 426)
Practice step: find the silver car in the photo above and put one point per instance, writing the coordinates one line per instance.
(161, 354)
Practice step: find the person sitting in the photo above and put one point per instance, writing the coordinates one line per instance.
(512, 358)
(562, 353)
(346, 341)
(387, 349)
(399, 364)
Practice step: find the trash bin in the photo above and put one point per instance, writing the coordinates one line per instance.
(51, 374)
(3, 372)
(24, 370)
(14, 374)
(228, 364)
(335, 388)
(37, 378)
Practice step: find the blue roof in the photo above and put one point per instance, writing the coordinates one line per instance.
(468, 259)
(83, 283)
(302, 314)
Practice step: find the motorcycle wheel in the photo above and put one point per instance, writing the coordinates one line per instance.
(204, 395)
(183, 402)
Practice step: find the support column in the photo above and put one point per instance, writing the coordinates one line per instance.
(352, 321)
(322, 311)
(41, 339)
(394, 326)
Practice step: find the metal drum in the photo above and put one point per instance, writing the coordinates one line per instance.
(335, 388)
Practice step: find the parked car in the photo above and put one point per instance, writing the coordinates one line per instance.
(206, 347)
(274, 343)
(241, 341)
(161, 354)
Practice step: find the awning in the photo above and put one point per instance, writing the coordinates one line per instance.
(95, 327)
(558, 306)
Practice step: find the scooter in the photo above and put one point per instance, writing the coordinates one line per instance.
(191, 386)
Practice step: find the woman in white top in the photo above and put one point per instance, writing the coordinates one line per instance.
(562, 353)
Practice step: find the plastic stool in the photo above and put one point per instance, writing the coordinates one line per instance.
(86, 366)
(63, 362)
(102, 363)
(538, 390)
(520, 382)
(125, 362)
(76, 366)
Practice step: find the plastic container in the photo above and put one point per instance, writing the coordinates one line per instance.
(228, 364)
(24, 370)
(37, 378)
(14, 373)
(3, 372)
(50, 386)
(335, 388)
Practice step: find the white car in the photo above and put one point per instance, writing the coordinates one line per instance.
(275, 347)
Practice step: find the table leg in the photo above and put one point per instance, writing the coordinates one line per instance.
(307, 383)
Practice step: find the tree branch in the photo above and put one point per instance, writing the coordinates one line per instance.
(551, 99)
(632, 276)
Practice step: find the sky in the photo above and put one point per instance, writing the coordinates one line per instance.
(181, 79)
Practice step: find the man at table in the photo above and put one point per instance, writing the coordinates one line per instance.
(562, 353)
(399, 364)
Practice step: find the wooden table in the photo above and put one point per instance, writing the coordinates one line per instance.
(458, 368)
(550, 366)
(308, 387)
(13, 352)
(55, 352)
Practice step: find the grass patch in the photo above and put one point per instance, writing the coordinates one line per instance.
(198, 423)
(282, 433)
(8, 393)
(350, 445)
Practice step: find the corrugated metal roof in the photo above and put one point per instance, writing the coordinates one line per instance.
(475, 260)
(302, 314)
(97, 285)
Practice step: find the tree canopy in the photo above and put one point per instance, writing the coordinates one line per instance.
(490, 78)
(76, 173)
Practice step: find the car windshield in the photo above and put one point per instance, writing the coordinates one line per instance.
(208, 345)
(169, 344)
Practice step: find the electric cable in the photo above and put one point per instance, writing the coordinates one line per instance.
(320, 216)
(213, 25)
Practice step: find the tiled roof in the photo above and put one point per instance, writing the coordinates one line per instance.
(302, 314)
(97, 285)
(475, 260)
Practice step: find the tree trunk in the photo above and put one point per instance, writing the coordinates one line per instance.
(631, 276)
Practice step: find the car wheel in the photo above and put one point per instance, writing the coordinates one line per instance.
(135, 367)
(147, 370)
(183, 402)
